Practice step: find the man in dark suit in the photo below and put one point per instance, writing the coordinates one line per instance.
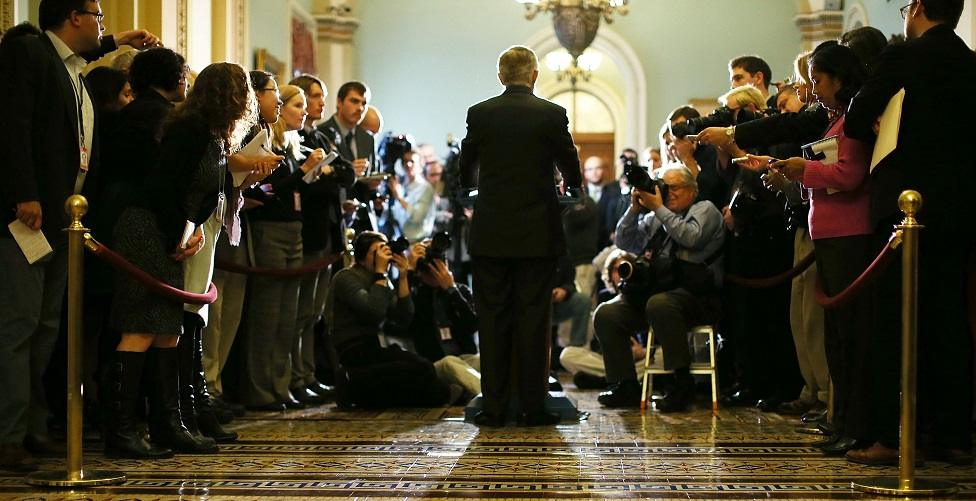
(50, 148)
(604, 195)
(934, 158)
(512, 143)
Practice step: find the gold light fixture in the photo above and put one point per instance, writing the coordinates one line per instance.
(575, 21)
(573, 69)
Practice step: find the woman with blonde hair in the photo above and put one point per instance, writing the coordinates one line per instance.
(276, 236)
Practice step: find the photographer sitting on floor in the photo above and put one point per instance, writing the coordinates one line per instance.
(360, 301)
(444, 321)
(671, 286)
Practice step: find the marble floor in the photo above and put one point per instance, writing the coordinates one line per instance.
(433, 453)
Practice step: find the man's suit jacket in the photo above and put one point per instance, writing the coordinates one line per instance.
(512, 144)
(607, 207)
(365, 146)
(934, 153)
(322, 200)
(38, 107)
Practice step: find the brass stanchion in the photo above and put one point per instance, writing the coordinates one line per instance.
(906, 484)
(76, 206)
(347, 254)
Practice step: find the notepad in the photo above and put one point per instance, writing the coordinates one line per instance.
(313, 175)
(257, 148)
(888, 133)
(32, 242)
(824, 150)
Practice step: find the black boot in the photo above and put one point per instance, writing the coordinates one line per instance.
(206, 417)
(165, 424)
(184, 349)
(120, 395)
(681, 395)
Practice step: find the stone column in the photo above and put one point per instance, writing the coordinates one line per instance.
(818, 21)
(335, 55)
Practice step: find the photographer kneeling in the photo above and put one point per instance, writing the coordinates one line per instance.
(360, 301)
(672, 287)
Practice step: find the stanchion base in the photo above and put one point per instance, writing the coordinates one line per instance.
(87, 478)
(809, 430)
(891, 486)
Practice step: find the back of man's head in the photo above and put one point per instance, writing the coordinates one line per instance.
(753, 65)
(516, 66)
(21, 30)
(945, 12)
(305, 81)
(348, 87)
(686, 112)
(867, 42)
(52, 13)
(157, 67)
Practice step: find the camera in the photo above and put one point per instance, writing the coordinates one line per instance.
(440, 243)
(638, 177)
(642, 278)
(392, 148)
(399, 246)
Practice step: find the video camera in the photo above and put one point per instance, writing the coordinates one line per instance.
(392, 148)
(638, 177)
(440, 243)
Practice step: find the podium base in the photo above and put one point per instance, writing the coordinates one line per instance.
(557, 402)
(891, 486)
(85, 478)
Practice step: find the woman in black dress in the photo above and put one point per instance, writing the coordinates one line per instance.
(182, 190)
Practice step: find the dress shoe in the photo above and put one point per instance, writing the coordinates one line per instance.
(15, 458)
(955, 457)
(554, 384)
(485, 418)
(43, 446)
(828, 439)
(323, 390)
(625, 393)
(814, 416)
(586, 381)
(236, 410)
(793, 407)
(538, 418)
(291, 403)
(272, 407)
(306, 396)
(741, 398)
(768, 404)
(876, 455)
(841, 446)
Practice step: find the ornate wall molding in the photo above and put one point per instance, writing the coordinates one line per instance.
(240, 31)
(181, 26)
(818, 26)
(333, 27)
(6, 14)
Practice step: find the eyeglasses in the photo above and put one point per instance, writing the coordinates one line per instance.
(904, 10)
(98, 15)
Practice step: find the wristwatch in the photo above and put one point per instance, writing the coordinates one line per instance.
(730, 133)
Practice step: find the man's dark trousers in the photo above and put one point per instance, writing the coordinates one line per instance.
(513, 297)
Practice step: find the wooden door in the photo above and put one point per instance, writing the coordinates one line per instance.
(598, 144)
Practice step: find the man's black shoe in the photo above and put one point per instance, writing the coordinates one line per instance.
(680, 396)
(291, 403)
(741, 398)
(323, 390)
(540, 418)
(485, 418)
(306, 396)
(814, 416)
(554, 384)
(841, 446)
(586, 381)
(768, 404)
(621, 394)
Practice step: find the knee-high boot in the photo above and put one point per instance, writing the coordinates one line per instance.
(185, 349)
(120, 392)
(165, 423)
(206, 418)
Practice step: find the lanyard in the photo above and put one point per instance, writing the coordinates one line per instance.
(81, 114)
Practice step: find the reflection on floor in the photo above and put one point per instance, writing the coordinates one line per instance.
(321, 453)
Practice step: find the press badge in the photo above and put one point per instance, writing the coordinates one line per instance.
(298, 201)
(83, 155)
(221, 207)
(445, 334)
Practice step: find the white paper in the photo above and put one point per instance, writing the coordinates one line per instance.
(890, 125)
(313, 175)
(826, 147)
(32, 242)
(257, 148)
(187, 233)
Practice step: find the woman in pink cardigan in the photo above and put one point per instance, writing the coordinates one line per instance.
(840, 228)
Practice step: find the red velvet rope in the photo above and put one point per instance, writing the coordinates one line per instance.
(773, 281)
(867, 276)
(319, 265)
(161, 288)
